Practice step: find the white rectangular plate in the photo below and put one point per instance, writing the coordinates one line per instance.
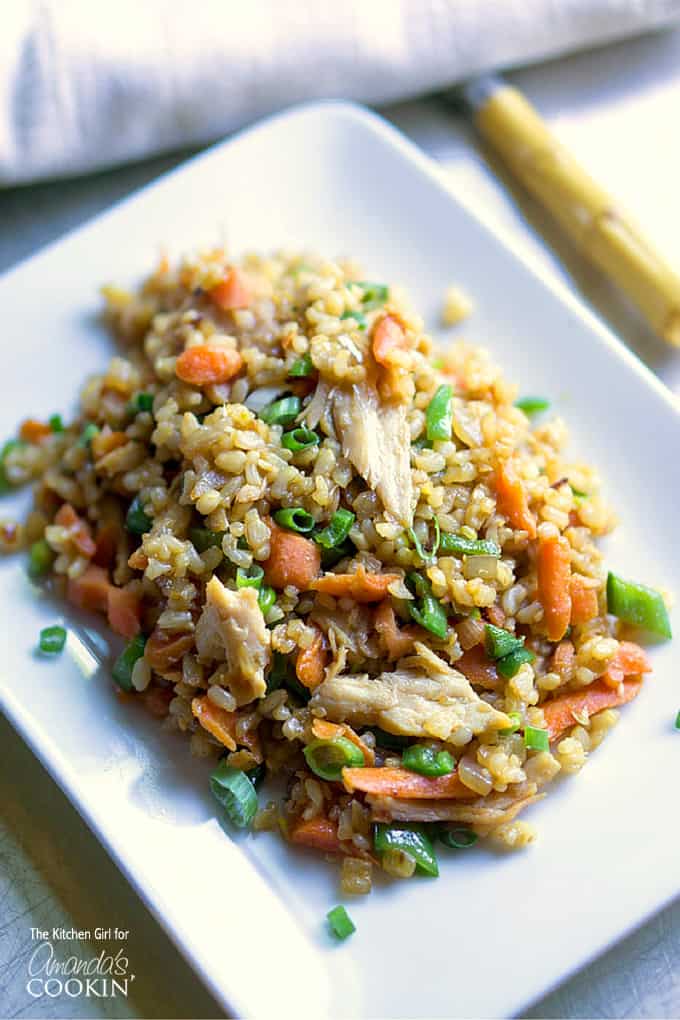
(495, 930)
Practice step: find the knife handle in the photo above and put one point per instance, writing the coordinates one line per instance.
(601, 231)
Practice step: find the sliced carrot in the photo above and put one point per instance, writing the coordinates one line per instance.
(311, 662)
(292, 559)
(317, 834)
(124, 610)
(90, 590)
(402, 784)
(324, 730)
(360, 586)
(388, 336)
(628, 660)
(553, 567)
(476, 666)
(233, 292)
(561, 712)
(584, 605)
(33, 431)
(106, 541)
(66, 517)
(217, 721)
(511, 499)
(163, 649)
(105, 441)
(205, 366)
(397, 642)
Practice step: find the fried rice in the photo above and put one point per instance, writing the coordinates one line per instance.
(340, 557)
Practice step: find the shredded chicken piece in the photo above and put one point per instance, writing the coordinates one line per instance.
(483, 813)
(410, 702)
(232, 628)
(375, 437)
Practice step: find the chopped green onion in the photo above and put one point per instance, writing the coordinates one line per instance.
(516, 724)
(124, 664)
(375, 294)
(251, 578)
(266, 597)
(427, 761)
(88, 434)
(577, 492)
(8, 447)
(257, 774)
(458, 838)
(677, 721)
(438, 363)
(439, 414)
(55, 423)
(203, 539)
(295, 518)
(532, 405)
(337, 529)
(141, 402)
(425, 556)
(340, 922)
(329, 557)
(411, 839)
(638, 604)
(281, 412)
(361, 320)
(278, 672)
(40, 559)
(428, 612)
(52, 640)
(499, 642)
(393, 741)
(460, 546)
(300, 439)
(301, 368)
(509, 664)
(536, 739)
(235, 792)
(327, 758)
(136, 520)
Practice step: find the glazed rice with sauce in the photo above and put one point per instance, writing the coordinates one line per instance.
(340, 558)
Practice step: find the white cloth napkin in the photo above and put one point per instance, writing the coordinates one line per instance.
(89, 83)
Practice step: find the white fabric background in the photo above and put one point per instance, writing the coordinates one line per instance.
(88, 83)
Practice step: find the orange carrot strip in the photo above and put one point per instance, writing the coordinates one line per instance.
(311, 662)
(584, 605)
(478, 668)
(33, 431)
(317, 834)
(324, 730)
(560, 712)
(511, 499)
(205, 366)
(164, 649)
(233, 292)
(215, 720)
(106, 541)
(292, 560)
(628, 660)
(360, 586)
(124, 610)
(90, 590)
(388, 336)
(553, 567)
(397, 642)
(67, 518)
(402, 784)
